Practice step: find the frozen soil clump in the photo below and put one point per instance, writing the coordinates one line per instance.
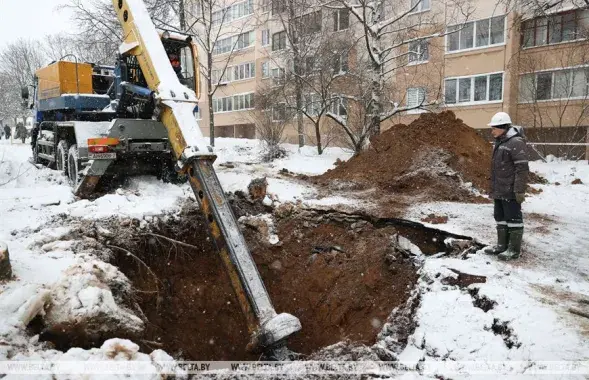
(435, 157)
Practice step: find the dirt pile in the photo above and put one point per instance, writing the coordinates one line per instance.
(431, 157)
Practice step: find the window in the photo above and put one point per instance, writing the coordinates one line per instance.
(244, 71)
(265, 37)
(238, 102)
(419, 5)
(418, 51)
(339, 106)
(552, 85)
(238, 42)
(279, 112)
(278, 6)
(480, 33)
(340, 63)
(474, 89)
(265, 5)
(341, 19)
(233, 12)
(307, 25)
(312, 104)
(415, 99)
(450, 91)
(554, 29)
(279, 75)
(464, 85)
(279, 41)
(234, 73)
(265, 69)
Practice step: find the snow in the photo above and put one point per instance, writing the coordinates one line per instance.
(531, 296)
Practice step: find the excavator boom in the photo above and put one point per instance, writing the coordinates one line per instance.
(176, 104)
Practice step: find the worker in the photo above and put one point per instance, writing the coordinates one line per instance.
(176, 65)
(509, 177)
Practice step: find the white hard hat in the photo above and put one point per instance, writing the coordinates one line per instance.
(500, 118)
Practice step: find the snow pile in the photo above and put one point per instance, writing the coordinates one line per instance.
(100, 363)
(90, 298)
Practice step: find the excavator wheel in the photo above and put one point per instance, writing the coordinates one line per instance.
(61, 157)
(73, 165)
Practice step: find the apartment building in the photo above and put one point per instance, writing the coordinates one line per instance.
(535, 66)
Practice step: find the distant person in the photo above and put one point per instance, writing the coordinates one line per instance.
(509, 179)
(34, 134)
(21, 132)
(7, 132)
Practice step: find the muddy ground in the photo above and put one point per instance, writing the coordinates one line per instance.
(339, 274)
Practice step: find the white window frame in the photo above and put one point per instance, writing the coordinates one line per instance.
(474, 36)
(230, 10)
(231, 99)
(552, 98)
(472, 102)
(337, 22)
(268, 72)
(420, 8)
(313, 101)
(419, 53)
(416, 110)
(336, 103)
(268, 38)
(233, 42)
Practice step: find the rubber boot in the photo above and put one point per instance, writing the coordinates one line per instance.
(502, 239)
(515, 244)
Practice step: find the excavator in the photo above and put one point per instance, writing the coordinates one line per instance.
(93, 121)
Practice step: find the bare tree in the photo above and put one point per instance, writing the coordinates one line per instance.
(270, 119)
(100, 31)
(18, 63)
(210, 21)
(387, 30)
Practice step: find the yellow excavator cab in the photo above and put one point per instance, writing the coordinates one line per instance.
(182, 46)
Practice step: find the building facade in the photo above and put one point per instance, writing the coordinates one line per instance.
(495, 57)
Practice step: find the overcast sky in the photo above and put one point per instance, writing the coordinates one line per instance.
(32, 19)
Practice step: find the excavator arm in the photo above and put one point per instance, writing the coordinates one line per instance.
(176, 104)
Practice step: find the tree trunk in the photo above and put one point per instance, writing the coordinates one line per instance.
(182, 15)
(299, 99)
(210, 99)
(376, 107)
(211, 120)
(318, 138)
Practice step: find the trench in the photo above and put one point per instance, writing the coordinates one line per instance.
(336, 272)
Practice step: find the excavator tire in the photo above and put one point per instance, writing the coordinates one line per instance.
(61, 157)
(73, 165)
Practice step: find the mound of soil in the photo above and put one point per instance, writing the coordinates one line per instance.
(431, 156)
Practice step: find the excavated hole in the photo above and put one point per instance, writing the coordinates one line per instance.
(333, 271)
(338, 273)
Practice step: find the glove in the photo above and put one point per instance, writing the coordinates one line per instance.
(520, 197)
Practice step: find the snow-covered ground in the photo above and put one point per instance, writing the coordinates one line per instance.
(531, 296)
